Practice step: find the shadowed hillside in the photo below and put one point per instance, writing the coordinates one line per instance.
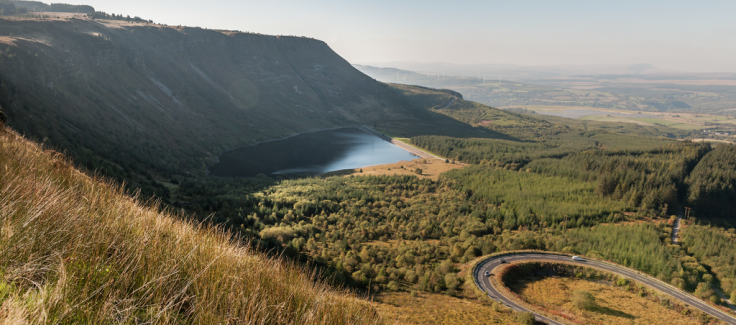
(149, 98)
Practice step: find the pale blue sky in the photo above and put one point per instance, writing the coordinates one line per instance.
(682, 35)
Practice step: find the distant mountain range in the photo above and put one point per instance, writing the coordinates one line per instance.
(513, 71)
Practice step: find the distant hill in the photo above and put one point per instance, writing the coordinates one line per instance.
(639, 68)
(54, 7)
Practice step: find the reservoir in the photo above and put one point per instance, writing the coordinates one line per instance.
(310, 153)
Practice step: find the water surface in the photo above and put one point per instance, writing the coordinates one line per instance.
(310, 153)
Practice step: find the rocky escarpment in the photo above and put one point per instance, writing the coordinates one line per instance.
(122, 96)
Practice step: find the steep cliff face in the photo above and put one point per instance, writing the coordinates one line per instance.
(170, 99)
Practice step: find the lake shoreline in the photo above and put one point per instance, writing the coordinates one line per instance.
(313, 152)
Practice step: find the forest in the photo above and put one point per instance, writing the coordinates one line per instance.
(716, 249)
(601, 192)
(713, 185)
(403, 233)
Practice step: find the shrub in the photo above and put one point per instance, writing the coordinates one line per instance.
(715, 299)
(583, 299)
(621, 282)
(525, 318)
(393, 286)
(410, 276)
(452, 282)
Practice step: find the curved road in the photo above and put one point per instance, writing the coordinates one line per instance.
(493, 263)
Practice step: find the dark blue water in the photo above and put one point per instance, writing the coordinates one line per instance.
(310, 153)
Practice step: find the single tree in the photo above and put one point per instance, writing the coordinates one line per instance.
(525, 318)
(583, 299)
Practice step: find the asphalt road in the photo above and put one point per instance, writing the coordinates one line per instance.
(493, 263)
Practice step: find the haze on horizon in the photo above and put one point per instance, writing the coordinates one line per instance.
(673, 35)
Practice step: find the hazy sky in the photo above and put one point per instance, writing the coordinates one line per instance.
(682, 35)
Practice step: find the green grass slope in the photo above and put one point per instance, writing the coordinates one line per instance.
(76, 250)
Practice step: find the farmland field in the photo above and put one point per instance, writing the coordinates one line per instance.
(683, 121)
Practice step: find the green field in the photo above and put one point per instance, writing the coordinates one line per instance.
(654, 120)
(685, 126)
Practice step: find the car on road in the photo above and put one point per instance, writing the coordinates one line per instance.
(488, 273)
(577, 258)
(503, 261)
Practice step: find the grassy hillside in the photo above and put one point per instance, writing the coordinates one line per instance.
(75, 250)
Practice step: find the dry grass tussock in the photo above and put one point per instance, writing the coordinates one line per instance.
(428, 308)
(74, 249)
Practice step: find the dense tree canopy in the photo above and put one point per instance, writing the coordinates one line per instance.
(713, 185)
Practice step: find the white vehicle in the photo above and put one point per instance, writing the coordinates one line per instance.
(577, 258)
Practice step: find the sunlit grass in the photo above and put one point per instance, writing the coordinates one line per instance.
(427, 308)
(77, 250)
